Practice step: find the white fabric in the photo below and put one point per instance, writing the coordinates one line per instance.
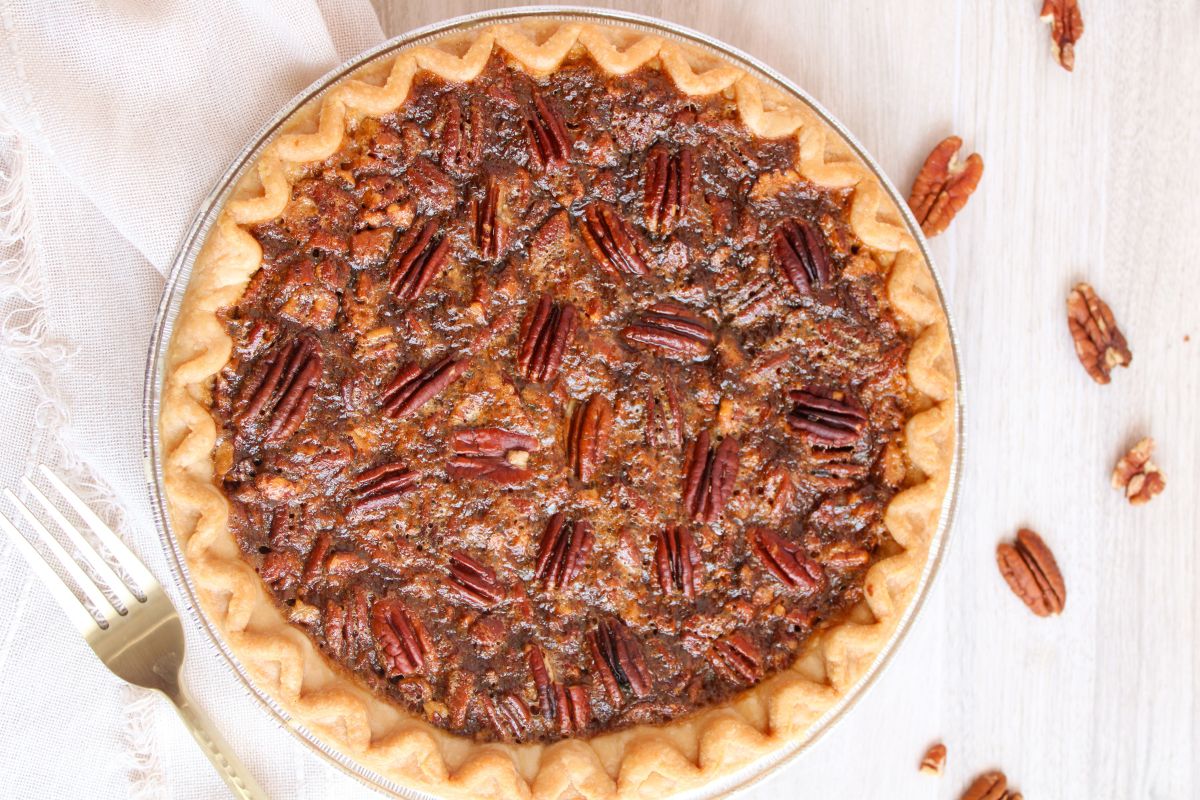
(116, 119)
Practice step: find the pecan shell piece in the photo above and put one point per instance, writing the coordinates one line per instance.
(826, 421)
(942, 188)
(416, 260)
(462, 135)
(475, 582)
(280, 389)
(1099, 343)
(402, 644)
(489, 230)
(587, 436)
(508, 715)
(611, 241)
(677, 561)
(380, 488)
(1031, 572)
(673, 330)
(563, 549)
(786, 561)
(493, 454)
(709, 477)
(736, 658)
(549, 143)
(1066, 27)
(667, 187)
(413, 387)
(1137, 476)
(619, 660)
(546, 332)
(799, 253)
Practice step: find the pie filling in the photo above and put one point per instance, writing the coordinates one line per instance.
(561, 404)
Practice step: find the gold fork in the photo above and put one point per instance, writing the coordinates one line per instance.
(138, 637)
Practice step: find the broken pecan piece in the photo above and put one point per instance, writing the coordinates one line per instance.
(673, 330)
(611, 241)
(549, 143)
(490, 232)
(1137, 476)
(416, 260)
(1032, 573)
(380, 488)
(667, 187)
(934, 760)
(619, 661)
(413, 387)
(493, 454)
(709, 476)
(988, 786)
(1099, 343)
(799, 252)
(280, 389)
(786, 561)
(474, 581)
(562, 551)
(827, 421)
(403, 645)
(736, 658)
(1066, 28)
(587, 436)
(941, 188)
(546, 332)
(508, 716)
(462, 135)
(677, 561)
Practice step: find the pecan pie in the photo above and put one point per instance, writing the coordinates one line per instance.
(580, 392)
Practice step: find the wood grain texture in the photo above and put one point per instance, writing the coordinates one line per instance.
(1091, 175)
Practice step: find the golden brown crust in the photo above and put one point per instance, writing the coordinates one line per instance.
(643, 761)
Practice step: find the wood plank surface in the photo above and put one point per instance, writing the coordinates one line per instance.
(1089, 175)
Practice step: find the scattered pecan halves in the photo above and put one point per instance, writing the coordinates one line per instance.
(1032, 573)
(546, 332)
(413, 387)
(1066, 28)
(1137, 476)
(587, 436)
(942, 188)
(1099, 343)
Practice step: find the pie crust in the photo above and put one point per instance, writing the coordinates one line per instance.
(641, 761)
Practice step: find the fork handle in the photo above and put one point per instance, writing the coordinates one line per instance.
(231, 769)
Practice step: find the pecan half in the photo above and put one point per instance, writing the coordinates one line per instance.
(346, 629)
(508, 716)
(380, 488)
(568, 707)
(401, 641)
(1032, 573)
(934, 760)
(475, 582)
(546, 332)
(673, 330)
(834, 468)
(736, 658)
(413, 387)
(548, 140)
(799, 253)
(709, 476)
(786, 561)
(279, 390)
(827, 421)
(988, 786)
(664, 414)
(462, 135)
(1099, 343)
(562, 551)
(611, 242)
(489, 231)
(667, 187)
(619, 661)
(416, 260)
(1137, 476)
(587, 436)
(677, 561)
(492, 454)
(1066, 27)
(942, 188)
(541, 680)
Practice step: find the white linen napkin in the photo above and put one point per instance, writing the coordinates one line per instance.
(116, 118)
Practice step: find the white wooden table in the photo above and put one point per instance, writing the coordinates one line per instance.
(1092, 175)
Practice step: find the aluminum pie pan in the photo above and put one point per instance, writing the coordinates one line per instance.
(211, 208)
